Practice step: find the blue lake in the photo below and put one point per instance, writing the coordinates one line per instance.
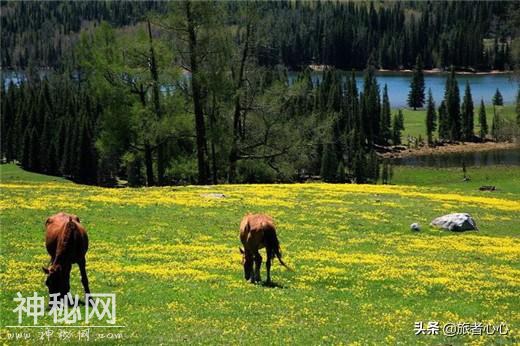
(483, 86)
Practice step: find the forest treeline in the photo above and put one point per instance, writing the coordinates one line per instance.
(185, 97)
(467, 35)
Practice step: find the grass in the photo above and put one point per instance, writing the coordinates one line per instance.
(506, 179)
(415, 121)
(361, 276)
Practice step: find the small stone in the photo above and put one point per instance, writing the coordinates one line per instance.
(213, 195)
(415, 227)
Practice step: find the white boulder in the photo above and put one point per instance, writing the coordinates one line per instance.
(456, 222)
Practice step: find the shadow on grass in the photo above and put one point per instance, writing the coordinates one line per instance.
(272, 284)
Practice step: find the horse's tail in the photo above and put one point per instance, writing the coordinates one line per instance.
(66, 244)
(272, 245)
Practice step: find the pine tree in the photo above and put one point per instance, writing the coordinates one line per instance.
(452, 102)
(400, 117)
(431, 117)
(467, 114)
(397, 127)
(329, 163)
(370, 107)
(373, 166)
(497, 99)
(384, 173)
(134, 171)
(340, 175)
(518, 107)
(482, 120)
(416, 95)
(34, 151)
(25, 156)
(359, 167)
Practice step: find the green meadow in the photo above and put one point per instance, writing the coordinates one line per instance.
(415, 121)
(360, 276)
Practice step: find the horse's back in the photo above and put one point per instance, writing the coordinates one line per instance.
(253, 229)
(55, 228)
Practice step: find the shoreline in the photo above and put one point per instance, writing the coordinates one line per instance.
(439, 71)
(451, 148)
(321, 68)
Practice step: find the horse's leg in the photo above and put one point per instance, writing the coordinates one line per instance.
(66, 268)
(84, 279)
(258, 264)
(268, 264)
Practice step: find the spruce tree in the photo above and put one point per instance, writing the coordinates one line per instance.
(497, 99)
(416, 94)
(467, 114)
(386, 118)
(443, 122)
(495, 127)
(431, 117)
(482, 120)
(44, 145)
(400, 117)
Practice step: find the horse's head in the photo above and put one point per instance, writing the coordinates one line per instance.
(247, 262)
(56, 280)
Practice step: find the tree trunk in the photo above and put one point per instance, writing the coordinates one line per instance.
(148, 157)
(197, 99)
(233, 158)
(148, 162)
(161, 157)
(214, 163)
(233, 155)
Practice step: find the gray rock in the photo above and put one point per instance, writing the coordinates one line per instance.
(415, 227)
(456, 222)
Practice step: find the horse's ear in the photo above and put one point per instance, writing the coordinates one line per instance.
(241, 250)
(46, 270)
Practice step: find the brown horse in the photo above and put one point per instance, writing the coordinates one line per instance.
(256, 232)
(67, 243)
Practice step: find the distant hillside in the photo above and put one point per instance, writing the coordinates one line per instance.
(469, 35)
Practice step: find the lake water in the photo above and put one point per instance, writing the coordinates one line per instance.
(482, 86)
(509, 157)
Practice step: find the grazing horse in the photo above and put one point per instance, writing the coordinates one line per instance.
(256, 232)
(67, 243)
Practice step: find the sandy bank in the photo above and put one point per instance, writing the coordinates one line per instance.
(452, 148)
